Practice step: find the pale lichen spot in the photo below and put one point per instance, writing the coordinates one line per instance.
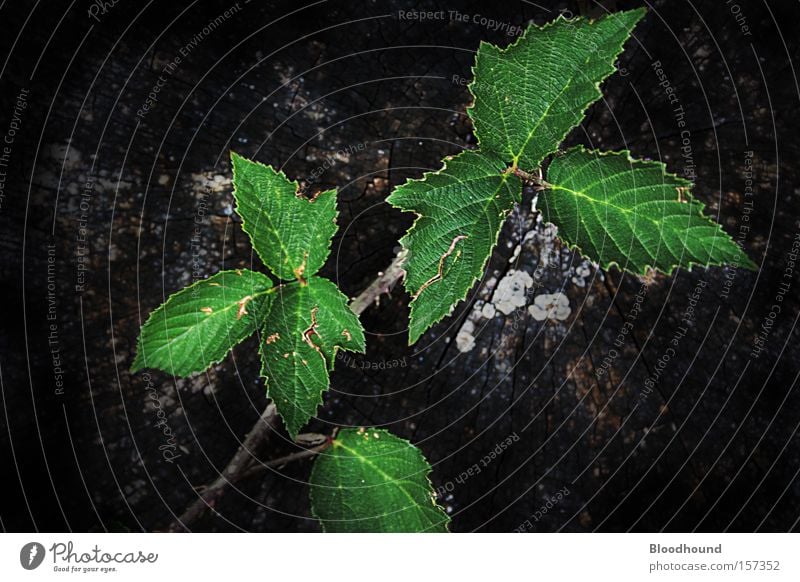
(272, 338)
(550, 306)
(465, 341)
(511, 292)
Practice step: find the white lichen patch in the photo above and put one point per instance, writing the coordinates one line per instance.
(465, 341)
(510, 293)
(581, 273)
(553, 306)
(208, 181)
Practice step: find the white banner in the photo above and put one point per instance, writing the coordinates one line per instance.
(330, 558)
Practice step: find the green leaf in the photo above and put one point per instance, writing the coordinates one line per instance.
(461, 209)
(303, 328)
(372, 481)
(529, 95)
(198, 325)
(292, 234)
(632, 213)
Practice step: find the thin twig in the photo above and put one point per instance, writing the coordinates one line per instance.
(383, 284)
(280, 462)
(232, 472)
(534, 180)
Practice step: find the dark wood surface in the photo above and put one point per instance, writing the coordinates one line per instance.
(712, 447)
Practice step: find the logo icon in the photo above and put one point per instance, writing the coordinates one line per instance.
(31, 555)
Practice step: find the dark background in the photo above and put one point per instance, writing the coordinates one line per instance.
(714, 447)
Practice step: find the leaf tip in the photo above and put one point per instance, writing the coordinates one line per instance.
(749, 263)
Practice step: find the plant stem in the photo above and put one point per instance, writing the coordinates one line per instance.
(384, 283)
(534, 179)
(232, 472)
(280, 462)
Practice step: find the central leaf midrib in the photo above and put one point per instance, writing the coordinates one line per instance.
(389, 480)
(661, 226)
(484, 208)
(206, 319)
(272, 228)
(595, 201)
(567, 85)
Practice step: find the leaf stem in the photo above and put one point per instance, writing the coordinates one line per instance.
(533, 179)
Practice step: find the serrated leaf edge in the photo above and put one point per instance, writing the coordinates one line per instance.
(416, 294)
(298, 194)
(557, 21)
(329, 365)
(138, 365)
(750, 265)
(427, 472)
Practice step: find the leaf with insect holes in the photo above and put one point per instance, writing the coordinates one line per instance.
(291, 233)
(371, 481)
(529, 95)
(301, 332)
(632, 213)
(460, 211)
(198, 325)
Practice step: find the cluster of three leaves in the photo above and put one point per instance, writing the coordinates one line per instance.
(301, 323)
(368, 480)
(616, 210)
